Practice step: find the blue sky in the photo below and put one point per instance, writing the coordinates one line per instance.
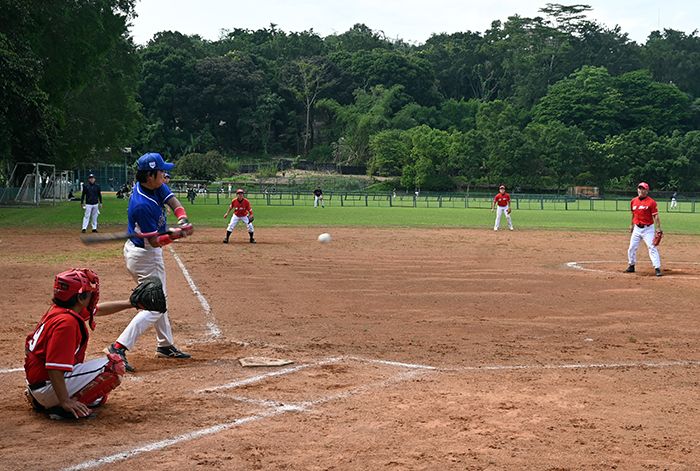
(411, 20)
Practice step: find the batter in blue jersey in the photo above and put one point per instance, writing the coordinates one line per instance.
(144, 256)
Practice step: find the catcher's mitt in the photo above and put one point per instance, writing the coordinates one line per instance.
(658, 236)
(149, 295)
(250, 218)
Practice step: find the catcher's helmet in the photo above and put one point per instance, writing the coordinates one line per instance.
(75, 281)
(239, 191)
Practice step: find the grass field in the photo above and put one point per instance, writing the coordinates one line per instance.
(211, 215)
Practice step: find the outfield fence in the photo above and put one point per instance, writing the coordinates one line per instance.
(483, 201)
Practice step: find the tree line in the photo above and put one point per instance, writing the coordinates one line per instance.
(541, 103)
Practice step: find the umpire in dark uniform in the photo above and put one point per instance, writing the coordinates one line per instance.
(91, 201)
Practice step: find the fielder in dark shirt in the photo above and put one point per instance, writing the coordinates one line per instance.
(91, 201)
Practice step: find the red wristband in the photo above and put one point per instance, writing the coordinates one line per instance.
(180, 212)
(164, 240)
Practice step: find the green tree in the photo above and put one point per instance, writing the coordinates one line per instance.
(673, 57)
(59, 54)
(209, 166)
(389, 152)
(307, 79)
(587, 99)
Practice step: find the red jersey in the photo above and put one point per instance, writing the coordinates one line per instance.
(241, 208)
(643, 211)
(502, 199)
(58, 342)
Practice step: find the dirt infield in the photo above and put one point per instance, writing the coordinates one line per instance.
(412, 349)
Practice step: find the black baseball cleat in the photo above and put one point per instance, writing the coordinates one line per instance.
(59, 413)
(658, 272)
(122, 353)
(630, 269)
(252, 241)
(171, 352)
(225, 241)
(94, 230)
(83, 231)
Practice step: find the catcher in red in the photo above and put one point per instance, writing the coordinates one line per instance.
(60, 382)
(241, 212)
(645, 215)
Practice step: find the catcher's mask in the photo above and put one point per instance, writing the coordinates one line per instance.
(76, 281)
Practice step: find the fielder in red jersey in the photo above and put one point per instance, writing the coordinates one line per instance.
(645, 214)
(241, 212)
(502, 201)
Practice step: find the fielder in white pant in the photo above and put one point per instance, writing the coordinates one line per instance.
(91, 213)
(647, 235)
(645, 214)
(91, 201)
(502, 201)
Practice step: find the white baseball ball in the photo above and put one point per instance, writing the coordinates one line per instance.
(324, 238)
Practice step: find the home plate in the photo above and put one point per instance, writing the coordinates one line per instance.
(263, 361)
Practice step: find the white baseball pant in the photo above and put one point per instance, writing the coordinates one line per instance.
(76, 380)
(91, 212)
(234, 221)
(646, 234)
(500, 210)
(142, 263)
(316, 200)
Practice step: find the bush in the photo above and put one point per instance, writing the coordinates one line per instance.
(207, 166)
(321, 154)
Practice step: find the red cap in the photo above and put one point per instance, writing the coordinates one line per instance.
(239, 191)
(643, 185)
(502, 187)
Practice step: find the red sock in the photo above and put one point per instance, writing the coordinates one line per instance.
(118, 345)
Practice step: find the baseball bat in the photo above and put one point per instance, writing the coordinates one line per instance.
(110, 236)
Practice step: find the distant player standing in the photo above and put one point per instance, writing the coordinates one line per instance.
(91, 200)
(318, 196)
(502, 199)
(644, 214)
(241, 212)
(674, 202)
(144, 257)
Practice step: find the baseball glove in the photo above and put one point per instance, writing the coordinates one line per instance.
(508, 210)
(250, 218)
(658, 236)
(149, 295)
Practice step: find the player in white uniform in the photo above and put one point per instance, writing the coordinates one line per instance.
(502, 199)
(144, 257)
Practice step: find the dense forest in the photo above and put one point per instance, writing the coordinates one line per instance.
(540, 103)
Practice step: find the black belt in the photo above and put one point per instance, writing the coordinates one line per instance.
(35, 386)
(642, 226)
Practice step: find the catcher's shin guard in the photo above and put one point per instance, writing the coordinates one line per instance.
(104, 382)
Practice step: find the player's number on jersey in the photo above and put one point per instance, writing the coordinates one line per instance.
(35, 338)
